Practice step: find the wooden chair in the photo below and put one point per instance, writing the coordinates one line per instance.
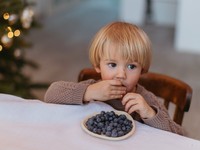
(170, 89)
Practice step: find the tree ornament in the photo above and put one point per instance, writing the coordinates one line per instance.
(6, 41)
(18, 53)
(12, 19)
(27, 17)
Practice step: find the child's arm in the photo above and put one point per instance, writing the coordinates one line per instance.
(161, 119)
(62, 92)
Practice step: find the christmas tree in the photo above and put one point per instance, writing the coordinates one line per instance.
(16, 20)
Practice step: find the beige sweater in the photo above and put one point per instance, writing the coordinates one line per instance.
(62, 92)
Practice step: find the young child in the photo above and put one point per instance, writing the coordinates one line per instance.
(120, 52)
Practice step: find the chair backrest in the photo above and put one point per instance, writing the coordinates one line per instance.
(170, 89)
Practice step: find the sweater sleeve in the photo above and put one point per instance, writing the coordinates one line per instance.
(162, 119)
(62, 92)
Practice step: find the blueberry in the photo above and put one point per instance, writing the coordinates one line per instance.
(100, 125)
(115, 120)
(94, 130)
(110, 118)
(114, 133)
(109, 128)
(120, 121)
(99, 131)
(124, 128)
(108, 133)
(98, 119)
(90, 121)
(103, 112)
(120, 133)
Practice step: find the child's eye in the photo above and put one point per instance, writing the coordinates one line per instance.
(131, 66)
(112, 65)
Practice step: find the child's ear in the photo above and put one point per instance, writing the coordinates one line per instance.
(98, 70)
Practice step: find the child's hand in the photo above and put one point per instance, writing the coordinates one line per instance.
(105, 90)
(135, 103)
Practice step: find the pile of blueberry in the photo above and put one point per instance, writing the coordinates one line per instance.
(109, 124)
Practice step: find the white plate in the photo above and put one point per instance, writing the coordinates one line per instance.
(83, 125)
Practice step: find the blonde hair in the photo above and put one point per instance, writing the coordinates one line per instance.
(128, 39)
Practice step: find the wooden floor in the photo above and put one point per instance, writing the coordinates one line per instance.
(61, 50)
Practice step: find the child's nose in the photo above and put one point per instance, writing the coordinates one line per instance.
(121, 74)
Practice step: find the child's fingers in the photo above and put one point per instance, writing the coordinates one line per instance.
(116, 96)
(118, 88)
(131, 103)
(133, 108)
(128, 97)
(117, 92)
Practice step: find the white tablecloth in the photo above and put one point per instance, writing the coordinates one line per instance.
(35, 125)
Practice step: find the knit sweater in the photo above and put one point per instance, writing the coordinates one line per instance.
(62, 92)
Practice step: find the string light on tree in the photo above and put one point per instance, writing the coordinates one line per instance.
(6, 16)
(10, 34)
(17, 33)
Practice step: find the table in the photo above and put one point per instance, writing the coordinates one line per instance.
(35, 125)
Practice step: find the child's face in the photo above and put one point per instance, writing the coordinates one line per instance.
(116, 68)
